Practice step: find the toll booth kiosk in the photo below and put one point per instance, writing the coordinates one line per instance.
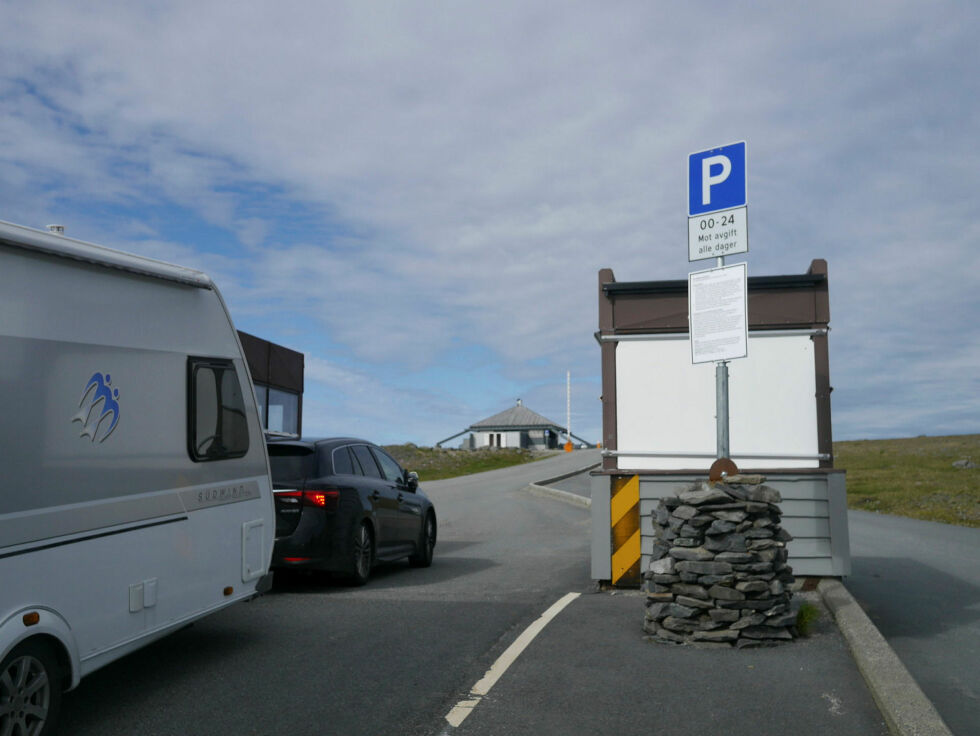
(658, 417)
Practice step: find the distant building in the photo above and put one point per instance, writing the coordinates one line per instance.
(517, 427)
(277, 373)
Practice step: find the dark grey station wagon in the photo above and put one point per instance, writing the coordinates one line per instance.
(343, 504)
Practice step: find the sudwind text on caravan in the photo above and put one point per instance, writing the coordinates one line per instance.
(224, 494)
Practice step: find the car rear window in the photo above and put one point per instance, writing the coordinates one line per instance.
(291, 463)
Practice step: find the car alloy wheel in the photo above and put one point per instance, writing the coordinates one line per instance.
(426, 544)
(363, 552)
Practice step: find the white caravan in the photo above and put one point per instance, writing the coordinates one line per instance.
(134, 481)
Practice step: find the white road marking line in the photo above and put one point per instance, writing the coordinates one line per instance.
(460, 711)
(463, 708)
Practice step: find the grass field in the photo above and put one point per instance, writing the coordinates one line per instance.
(434, 463)
(914, 477)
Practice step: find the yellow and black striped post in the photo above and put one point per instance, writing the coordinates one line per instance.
(624, 516)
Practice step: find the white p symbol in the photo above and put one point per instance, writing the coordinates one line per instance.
(707, 180)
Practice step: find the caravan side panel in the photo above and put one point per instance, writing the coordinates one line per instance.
(104, 516)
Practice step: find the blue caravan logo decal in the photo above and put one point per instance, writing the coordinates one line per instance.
(99, 401)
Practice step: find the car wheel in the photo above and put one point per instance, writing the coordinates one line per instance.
(427, 543)
(30, 690)
(362, 554)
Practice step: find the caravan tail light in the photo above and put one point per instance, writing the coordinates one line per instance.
(325, 499)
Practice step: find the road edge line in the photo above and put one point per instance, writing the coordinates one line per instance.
(906, 709)
(461, 711)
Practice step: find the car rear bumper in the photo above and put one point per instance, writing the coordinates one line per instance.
(319, 542)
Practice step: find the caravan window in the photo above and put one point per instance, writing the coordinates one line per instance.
(217, 424)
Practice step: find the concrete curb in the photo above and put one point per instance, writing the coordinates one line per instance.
(906, 709)
(556, 478)
(540, 488)
(564, 496)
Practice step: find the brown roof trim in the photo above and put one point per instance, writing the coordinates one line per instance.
(756, 283)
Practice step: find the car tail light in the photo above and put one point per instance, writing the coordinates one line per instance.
(323, 499)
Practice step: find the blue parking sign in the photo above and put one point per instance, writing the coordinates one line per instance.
(716, 179)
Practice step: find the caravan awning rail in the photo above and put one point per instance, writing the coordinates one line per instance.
(18, 236)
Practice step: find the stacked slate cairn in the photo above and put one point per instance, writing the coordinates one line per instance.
(718, 575)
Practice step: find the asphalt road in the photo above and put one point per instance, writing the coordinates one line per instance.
(398, 656)
(919, 582)
(316, 657)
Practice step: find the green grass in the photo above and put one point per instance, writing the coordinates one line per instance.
(805, 618)
(914, 477)
(435, 463)
(911, 477)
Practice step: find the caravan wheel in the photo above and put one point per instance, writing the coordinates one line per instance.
(30, 690)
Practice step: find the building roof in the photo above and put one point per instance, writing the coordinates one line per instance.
(515, 418)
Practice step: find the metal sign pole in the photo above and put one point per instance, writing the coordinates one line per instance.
(721, 398)
(721, 406)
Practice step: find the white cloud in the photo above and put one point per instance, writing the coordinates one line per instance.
(463, 172)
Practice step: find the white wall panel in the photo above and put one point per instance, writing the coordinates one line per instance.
(664, 403)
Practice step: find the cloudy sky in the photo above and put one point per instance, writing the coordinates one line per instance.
(419, 195)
